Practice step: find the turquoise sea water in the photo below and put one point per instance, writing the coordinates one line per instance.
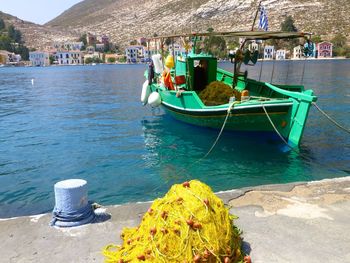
(87, 122)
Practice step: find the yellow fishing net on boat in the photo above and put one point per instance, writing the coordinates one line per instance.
(216, 93)
(189, 224)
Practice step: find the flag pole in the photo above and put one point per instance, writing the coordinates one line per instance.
(256, 16)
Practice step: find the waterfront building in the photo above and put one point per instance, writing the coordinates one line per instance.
(269, 52)
(325, 49)
(3, 57)
(281, 54)
(135, 53)
(298, 52)
(176, 50)
(69, 57)
(39, 58)
(7, 57)
(154, 46)
(253, 46)
(100, 47)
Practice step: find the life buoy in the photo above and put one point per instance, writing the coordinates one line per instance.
(145, 92)
(167, 80)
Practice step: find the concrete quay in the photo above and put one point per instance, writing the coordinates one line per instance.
(299, 222)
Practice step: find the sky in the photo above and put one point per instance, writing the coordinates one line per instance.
(37, 11)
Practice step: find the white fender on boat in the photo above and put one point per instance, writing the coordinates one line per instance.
(158, 64)
(146, 90)
(154, 99)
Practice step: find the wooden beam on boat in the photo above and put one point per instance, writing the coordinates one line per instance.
(250, 35)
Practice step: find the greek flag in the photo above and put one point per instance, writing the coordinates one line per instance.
(263, 21)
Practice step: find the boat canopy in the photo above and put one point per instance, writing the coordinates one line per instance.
(249, 35)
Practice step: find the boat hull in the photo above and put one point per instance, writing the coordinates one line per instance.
(240, 119)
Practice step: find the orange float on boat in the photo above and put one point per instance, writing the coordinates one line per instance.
(167, 80)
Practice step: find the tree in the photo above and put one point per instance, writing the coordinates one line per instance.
(288, 25)
(232, 43)
(210, 29)
(111, 60)
(317, 39)
(340, 48)
(93, 60)
(339, 40)
(5, 43)
(52, 59)
(23, 51)
(14, 34)
(83, 39)
(2, 24)
(121, 59)
(216, 46)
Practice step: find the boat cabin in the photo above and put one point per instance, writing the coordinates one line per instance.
(200, 70)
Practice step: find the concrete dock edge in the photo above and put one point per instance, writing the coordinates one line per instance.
(297, 222)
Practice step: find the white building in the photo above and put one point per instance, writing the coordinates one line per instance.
(134, 53)
(269, 52)
(178, 50)
(281, 54)
(39, 58)
(253, 46)
(69, 57)
(298, 52)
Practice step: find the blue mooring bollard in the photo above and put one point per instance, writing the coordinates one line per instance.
(72, 207)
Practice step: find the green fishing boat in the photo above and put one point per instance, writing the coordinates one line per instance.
(250, 105)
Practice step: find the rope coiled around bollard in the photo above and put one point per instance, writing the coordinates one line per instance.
(73, 218)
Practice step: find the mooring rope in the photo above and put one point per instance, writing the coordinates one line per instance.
(330, 118)
(215, 142)
(303, 156)
(274, 127)
(222, 129)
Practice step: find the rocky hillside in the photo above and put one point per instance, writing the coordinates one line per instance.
(124, 20)
(37, 36)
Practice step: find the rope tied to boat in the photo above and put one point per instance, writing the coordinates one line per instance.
(330, 118)
(276, 130)
(229, 109)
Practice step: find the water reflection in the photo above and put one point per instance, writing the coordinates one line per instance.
(176, 150)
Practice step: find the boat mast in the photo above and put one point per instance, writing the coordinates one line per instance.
(240, 50)
(256, 15)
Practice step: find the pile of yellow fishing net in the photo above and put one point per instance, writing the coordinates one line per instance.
(189, 224)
